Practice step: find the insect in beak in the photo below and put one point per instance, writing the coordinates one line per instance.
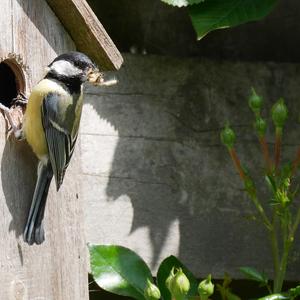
(95, 77)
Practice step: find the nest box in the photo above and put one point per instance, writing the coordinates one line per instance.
(32, 34)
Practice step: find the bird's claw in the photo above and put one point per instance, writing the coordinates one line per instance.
(18, 132)
(21, 99)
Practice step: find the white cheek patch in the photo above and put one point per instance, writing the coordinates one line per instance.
(65, 68)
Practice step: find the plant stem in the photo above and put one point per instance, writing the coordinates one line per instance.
(261, 211)
(278, 146)
(288, 232)
(288, 239)
(274, 244)
(237, 163)
(287, 243)
(265, 151)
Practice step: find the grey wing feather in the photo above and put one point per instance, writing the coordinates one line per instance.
(59, 140)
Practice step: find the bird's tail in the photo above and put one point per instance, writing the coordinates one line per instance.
(34, 231)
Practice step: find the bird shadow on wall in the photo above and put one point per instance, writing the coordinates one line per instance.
(170, 163)
(18, 176)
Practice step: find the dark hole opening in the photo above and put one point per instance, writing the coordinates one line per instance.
(8, 85)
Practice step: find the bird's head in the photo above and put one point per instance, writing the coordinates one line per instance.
(74, 65)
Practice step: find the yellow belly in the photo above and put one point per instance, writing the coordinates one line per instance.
(32, 127)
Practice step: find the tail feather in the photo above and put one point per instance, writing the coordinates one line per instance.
(34, 232)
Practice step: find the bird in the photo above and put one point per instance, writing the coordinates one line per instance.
(50, 126)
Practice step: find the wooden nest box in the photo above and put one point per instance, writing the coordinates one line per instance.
(33, 33)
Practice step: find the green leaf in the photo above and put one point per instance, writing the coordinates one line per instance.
(119, 270)
(294, 292)
(216, 14)
(253, 274)
(275, 297)
(271, 183)
(164, 271)
(181, 3)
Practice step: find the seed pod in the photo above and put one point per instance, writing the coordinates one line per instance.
(228, 137)
(255, 102)
(151, 291)
(279, 113)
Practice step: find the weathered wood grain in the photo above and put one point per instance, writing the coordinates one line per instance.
(5, 29)
(155, 175)
(87, 32)
(57, 269)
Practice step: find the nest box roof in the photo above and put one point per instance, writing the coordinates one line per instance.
(87, 32)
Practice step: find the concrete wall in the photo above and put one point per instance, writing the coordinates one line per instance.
(155, 176)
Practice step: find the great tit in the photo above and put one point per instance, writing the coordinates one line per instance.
(50, 126)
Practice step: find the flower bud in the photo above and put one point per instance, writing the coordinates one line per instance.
(179, 285)
(169, 279)
(260, 126)
(205, 288)
(151, 291)
(228, 137)
(255, 102)
(279, 113)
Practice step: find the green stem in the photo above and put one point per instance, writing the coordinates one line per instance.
(283, 265)
(288, 238)
(261, 211)
(274, 244)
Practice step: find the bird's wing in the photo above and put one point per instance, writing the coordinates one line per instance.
(58, 136)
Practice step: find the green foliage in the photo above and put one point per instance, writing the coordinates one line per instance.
(216, 14)
(210, 15)
(225, 290)
(283, 222)
(253, 274)
(119, 270)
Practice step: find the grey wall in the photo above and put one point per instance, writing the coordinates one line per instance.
(155, 176)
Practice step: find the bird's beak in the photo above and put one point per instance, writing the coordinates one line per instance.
(95, 77)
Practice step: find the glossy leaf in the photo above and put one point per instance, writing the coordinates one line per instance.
(216, 14)
(164, 271)
(181, 3)
(253, 274)
(275, 297)
(119, 270)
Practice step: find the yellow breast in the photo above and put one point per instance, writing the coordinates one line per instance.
(32, 126)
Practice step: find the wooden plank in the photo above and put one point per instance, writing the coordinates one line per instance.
(5, 29)
(87, 32)
(57, 269)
